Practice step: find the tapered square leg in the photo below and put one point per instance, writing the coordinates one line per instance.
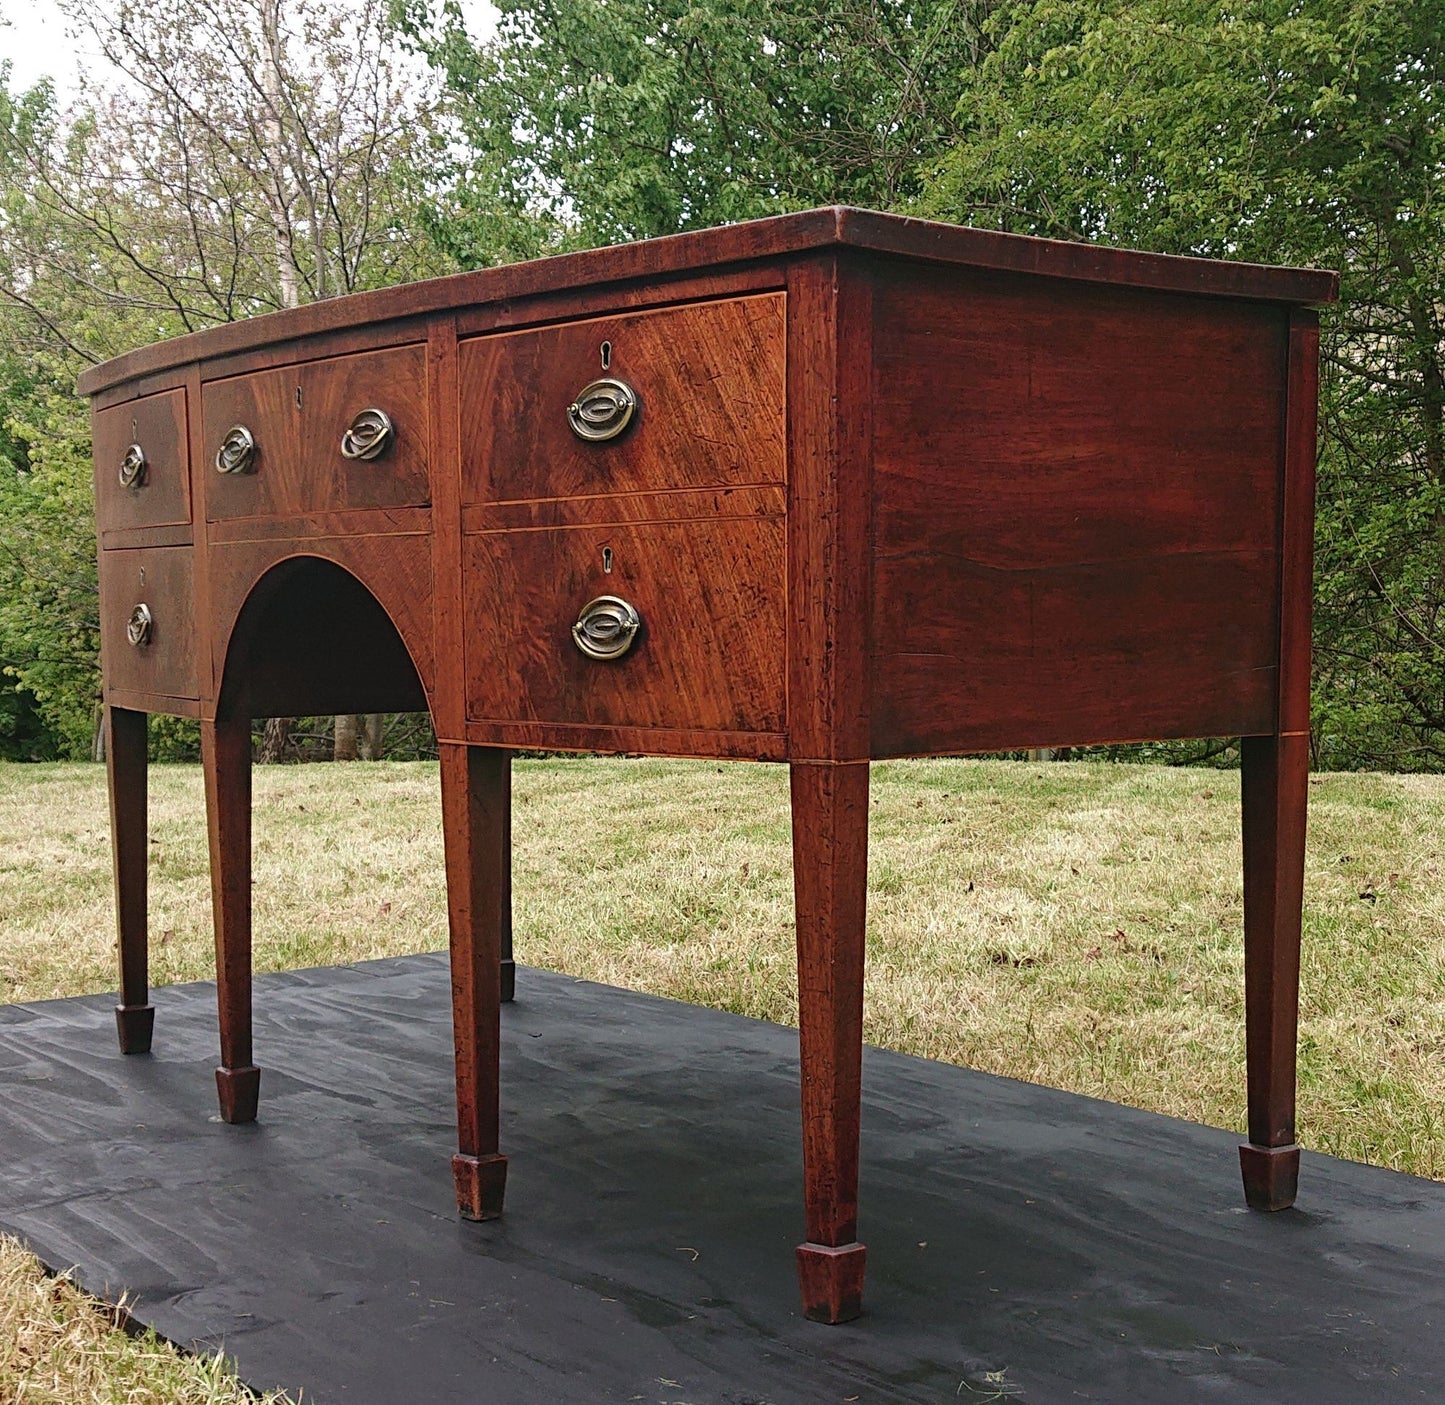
(509, 966)
(476, 800)
(1274, 785)
(238, 1090)
(481, 1183)
(1271, 1176)
(226, 762)
(125, 765)
(832, 1281)
(830, 875)
(134, 1026)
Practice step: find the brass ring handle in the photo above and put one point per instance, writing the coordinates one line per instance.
(237, 453)
(133, 467)
(138, 627)
(602, 410)
(606, 628)
(368, 436)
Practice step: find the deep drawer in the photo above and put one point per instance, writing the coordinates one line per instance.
(140, 463)
(297, 419)
(707, 381)
(158, 654)
(708, 653)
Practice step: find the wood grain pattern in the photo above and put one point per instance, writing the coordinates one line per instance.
(830, 452)
(298, 414)
(710, 653)
(830, 877)
(774, 238)
(163, 497)
(895, 488)
(710, 381)
(163, 579)
(1077, 515)
(476, 804)
(628, 740)
(566, 304)
(614, 509)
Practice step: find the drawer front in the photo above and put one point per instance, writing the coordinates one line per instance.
(297, 419)
(160, 657)
(708, 383)
(708, 653)
(140, 463)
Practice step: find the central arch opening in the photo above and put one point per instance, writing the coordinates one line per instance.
(312, 640)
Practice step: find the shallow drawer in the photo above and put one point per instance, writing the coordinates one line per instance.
(708, 650)
(148, 621)
(544, 413)
(313, 438)
(140, 463)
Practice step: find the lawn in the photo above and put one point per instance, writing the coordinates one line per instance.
(1070, 924)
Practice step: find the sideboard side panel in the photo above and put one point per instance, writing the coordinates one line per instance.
(1077, 518)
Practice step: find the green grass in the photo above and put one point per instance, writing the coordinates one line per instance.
(1070, 924)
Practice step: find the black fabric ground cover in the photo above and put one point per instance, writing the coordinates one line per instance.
(1024, 1244)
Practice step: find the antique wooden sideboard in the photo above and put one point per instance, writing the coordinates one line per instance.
(817, 489)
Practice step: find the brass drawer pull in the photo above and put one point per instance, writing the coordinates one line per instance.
(133, 467)
(138, 627)
(606, 628)
(237, 453)
(368, 436)
(602, 410)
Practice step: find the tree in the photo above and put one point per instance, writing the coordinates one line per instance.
(259, 153)
(590, 121)
(1302, 131)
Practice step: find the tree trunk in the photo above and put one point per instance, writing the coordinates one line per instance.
(373, 736)
(273, 743)
(348, 726)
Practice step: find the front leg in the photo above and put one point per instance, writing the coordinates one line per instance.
(125, 766)
(830, 880)
(226, 761)
(476, 802)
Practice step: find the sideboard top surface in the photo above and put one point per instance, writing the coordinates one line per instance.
(835, 227)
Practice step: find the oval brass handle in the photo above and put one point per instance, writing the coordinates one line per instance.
(133, 467)
(368, 435)
(602, 410)
(138, 627)
(237, 453)
(606, 628)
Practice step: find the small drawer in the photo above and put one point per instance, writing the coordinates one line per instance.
(705, 652)
(682, 397)
(148, 621)
(349, 432)
(140, 463)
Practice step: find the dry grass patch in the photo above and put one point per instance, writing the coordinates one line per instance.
(1072, 924)
(60, 1347)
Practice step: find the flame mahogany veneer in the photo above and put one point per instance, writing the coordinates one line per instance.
(890, 489)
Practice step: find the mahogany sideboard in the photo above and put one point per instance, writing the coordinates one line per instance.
(817, 489)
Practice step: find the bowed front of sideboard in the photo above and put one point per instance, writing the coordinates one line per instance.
(817, 490)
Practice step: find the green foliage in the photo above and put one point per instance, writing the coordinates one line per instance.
(590, 121)
(49, 624)
(1303, 131)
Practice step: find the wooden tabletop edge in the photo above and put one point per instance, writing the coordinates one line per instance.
(700, 250)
